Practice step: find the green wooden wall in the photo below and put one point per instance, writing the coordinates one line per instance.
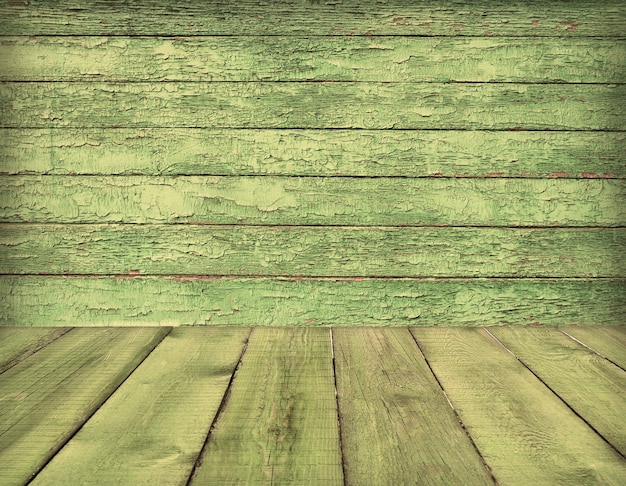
(312, 162)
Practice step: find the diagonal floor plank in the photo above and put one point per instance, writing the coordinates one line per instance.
(47, 397)
(609, 342)
(153, 428)
(279, 424)
(397, 427)
(594, 387)
(17, 343)
(524, 432)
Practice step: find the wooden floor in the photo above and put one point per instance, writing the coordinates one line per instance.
(359, 406)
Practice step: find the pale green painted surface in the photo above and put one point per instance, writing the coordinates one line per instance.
(265, 140)
(574, 18)
(326, 201)
(409, 153)
(389, 59)
(486, 106)
(296, 301)
(318, 251)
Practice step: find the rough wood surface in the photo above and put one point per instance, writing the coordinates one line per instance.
(396, 425)
(153, 427)
(314, 105)
(389, 153)
(524, 432)
(319, 251)
(50, 301)
(277, 200)
(575, 18)
(592, 386)
(17, 344)
(279, 424)
(609, 342)
(269, 58)
(47, 398)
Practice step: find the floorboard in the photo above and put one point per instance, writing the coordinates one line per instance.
(609, 342)
(154, 426)
(526, 434)
(46, 398)
(17, 343)
(279, 425)
(592, 386)
(396, 425)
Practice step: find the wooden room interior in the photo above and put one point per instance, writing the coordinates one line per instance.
(312, 242)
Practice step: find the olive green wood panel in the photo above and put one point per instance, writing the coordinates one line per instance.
(314, 105)
(47, 397)
(153, 427)
(279, 424)
(297, 301)
(592, 386)
(17, 344)
(408, 153)
(525, 433)
(396, 425)
(609, 342)
(278, 200)
(324, 17)
(389, 59)
(318, 251)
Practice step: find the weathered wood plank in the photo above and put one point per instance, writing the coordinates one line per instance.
(279, 425)
(16, 344)
(318, 251)
(46, 301)
(46, 398)
(325, 17)
(524, 432)
(152, 429)
(389, 59)
(410, 153)
(314, 105)
(591, 385)
(609, 342)
(396, 425)
(277, 200)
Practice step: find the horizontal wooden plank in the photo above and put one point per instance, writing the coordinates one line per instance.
(314, 105)
(592, 386)
(525, 433)
(279, 425)
(48, 397)
(323, 17)
(84, 301)
(153, 427)
(313, 201)
(408, 153)
(311, 251)
(16, 344)
(389, 59)
(609, 342)
(396, 425)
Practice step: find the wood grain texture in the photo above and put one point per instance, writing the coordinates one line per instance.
(319, 251)
(606, 341)
(594, 387)
(313, 201)
(324, 17)
(389, 153)
(17, 344)
(153, 427)
(84, 301)
(314, 105)
(279, 425)
(47, 398)
(524, 432)
(396, 425)
(237, 58)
